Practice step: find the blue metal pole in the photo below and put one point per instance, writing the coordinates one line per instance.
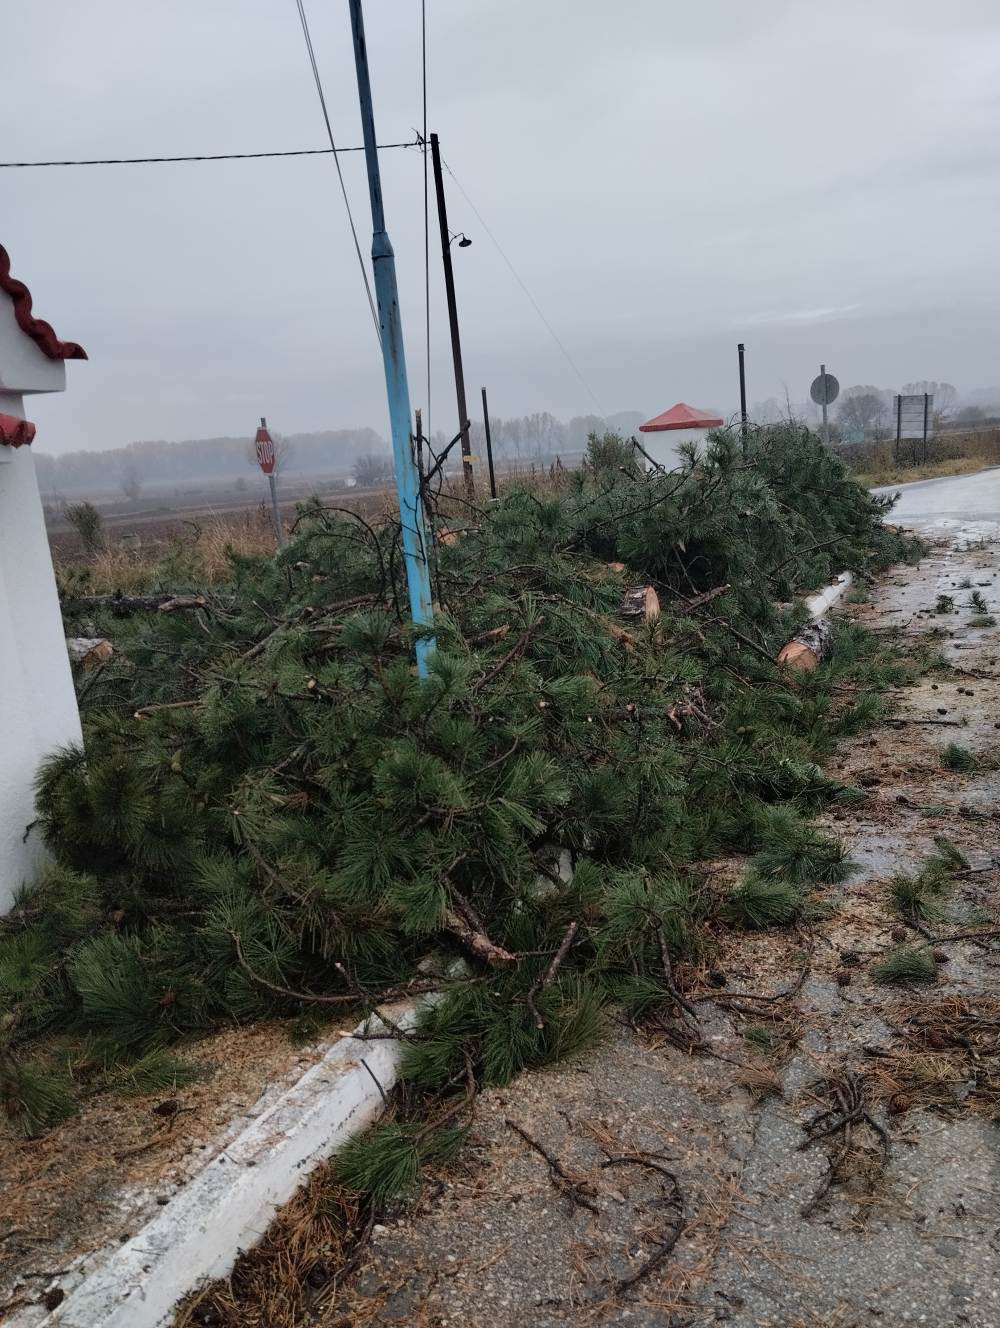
(411, 510)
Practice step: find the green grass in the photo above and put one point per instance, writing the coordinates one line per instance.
(944, 604)
(983, 620)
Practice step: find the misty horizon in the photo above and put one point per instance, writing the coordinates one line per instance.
(666, 183)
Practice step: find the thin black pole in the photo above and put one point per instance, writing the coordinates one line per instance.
(456, 344)
(743, 398)
(926, 404)
(489, 446)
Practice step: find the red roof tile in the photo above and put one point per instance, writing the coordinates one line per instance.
(15, 432)
(680, 416)
(42, 333)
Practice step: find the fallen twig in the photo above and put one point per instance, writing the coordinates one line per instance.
(143, 711)
(476, 940)
(557, 1173)
(668, 978)
(898, 721)
(676, 1198)
(418, 987)
(549, 976)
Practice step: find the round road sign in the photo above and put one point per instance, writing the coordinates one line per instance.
(825, 388)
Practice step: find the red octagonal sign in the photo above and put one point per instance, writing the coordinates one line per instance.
(265, 449)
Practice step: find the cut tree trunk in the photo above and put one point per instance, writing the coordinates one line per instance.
(640, 604)
(124, 606)
(87, 650)
(810, 647)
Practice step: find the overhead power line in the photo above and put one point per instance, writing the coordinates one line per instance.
(300, 6)
(205, 156)
(427, 230)
(534, 303)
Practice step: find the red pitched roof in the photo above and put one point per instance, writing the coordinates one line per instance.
(42, 333)
(680, 417)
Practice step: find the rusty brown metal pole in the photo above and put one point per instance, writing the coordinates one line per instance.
(456, 344)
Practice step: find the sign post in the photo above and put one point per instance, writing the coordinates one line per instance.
(265, 459)
(824, 390)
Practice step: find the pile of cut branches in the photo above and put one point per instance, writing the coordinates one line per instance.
(273, 815)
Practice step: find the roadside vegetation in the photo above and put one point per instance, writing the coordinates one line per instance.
(276, 817)
(877, 464)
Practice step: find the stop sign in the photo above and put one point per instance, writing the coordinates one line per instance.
(265, 448)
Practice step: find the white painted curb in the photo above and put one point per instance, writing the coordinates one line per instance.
(825, 599)
(229, 1205)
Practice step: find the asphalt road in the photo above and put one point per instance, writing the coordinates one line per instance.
(953, 499)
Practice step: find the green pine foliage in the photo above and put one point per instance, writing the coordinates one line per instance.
(906, 966)
(796, 852)
(384, 1163)
(761, 901)
(957, 757)
(33, 1095)
(920, 896)
(272, 806)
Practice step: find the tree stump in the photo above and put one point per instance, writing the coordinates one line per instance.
(810, 647)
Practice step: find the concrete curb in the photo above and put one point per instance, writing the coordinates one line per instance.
(228, 1206)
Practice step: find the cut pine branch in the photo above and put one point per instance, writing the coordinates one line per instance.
(476, 941)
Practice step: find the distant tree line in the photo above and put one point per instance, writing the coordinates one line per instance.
(864, 412)
(130, 469)
(541, 437)
(362, 452)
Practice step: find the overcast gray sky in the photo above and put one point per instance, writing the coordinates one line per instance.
(668, 178)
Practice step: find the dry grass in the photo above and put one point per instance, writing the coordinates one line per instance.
(312, 1244)
(950, 455)
(192, 554)
(760, 1081)
(950, 1057)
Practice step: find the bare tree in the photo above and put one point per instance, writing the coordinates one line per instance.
(130, 481)
(945, 394)
(865, 410)
(372, 469)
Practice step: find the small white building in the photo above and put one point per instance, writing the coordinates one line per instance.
(680, 424)
(38, 710)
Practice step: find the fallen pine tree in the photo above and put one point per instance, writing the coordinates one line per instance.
(275, 816)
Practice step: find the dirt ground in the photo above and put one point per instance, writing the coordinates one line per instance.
(651, 1185)
(94, 1179)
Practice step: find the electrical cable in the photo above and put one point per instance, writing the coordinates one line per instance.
(427, 233)
(205, 156)
(300, 5)
(534, 303)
